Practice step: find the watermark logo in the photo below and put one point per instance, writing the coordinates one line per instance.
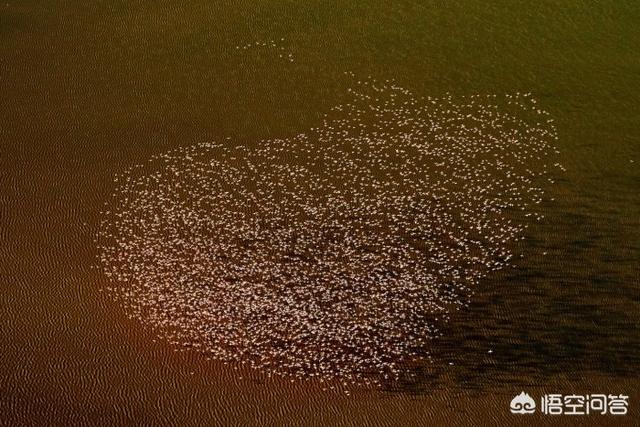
(523, 404)
(572, 404)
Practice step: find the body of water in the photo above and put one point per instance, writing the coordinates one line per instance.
(90, 89)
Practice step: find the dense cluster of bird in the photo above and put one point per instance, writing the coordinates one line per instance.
(334, 253)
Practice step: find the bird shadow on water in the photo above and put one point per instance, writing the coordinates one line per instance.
(564, 309)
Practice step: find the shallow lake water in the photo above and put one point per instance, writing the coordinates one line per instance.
(88, 89)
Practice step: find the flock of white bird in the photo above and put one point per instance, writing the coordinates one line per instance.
(335, 253)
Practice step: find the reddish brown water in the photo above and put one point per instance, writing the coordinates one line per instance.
(87, 90)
